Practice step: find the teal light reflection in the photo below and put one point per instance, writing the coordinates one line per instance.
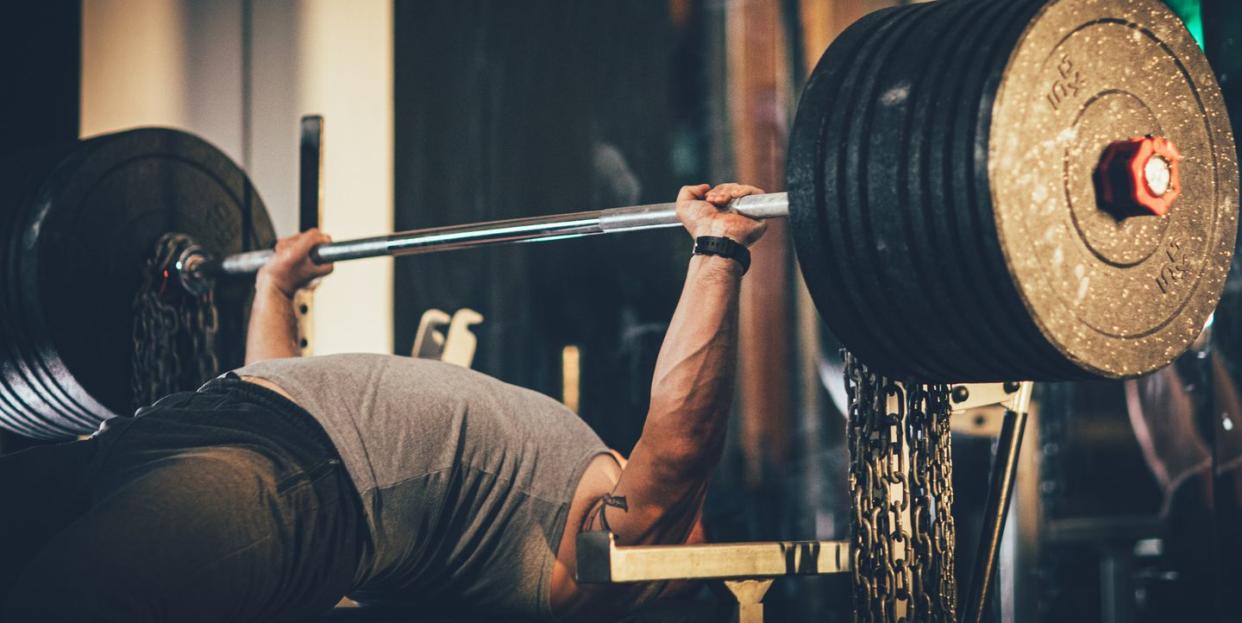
(1192, 15)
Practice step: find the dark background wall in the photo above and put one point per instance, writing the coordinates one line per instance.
(514, 109)
(40, 66)
(40, 44)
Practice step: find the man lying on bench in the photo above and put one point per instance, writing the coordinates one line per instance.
(280, 487)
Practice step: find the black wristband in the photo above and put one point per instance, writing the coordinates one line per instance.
(724, 247)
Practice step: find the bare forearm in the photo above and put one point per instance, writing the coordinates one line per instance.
(662, 487)
(665, 481)
(272, 333)
(692, 387)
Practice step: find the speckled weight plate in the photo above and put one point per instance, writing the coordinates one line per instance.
(1117, 296)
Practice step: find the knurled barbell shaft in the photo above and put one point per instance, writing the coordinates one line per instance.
(529, 229)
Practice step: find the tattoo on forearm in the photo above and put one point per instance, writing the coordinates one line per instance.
(594, 518)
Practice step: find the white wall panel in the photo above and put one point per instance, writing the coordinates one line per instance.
(346, 74)
(240, 73)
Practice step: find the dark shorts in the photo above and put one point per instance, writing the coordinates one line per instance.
(226, 504)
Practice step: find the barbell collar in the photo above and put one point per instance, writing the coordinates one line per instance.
(527, 229)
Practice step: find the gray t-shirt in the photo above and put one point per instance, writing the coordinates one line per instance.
(465, 480)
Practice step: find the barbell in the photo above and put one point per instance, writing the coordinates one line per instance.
(978, 191)
(197, 269)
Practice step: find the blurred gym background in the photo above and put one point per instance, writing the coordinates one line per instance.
(448, 111)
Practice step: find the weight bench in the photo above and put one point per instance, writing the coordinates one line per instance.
(746, 569)
(749, 569)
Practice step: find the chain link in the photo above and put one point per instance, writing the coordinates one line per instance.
(174, 331)
(901, 470)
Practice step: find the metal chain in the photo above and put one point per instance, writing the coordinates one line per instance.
(944, 536)
(174, 331)
(901, 483)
